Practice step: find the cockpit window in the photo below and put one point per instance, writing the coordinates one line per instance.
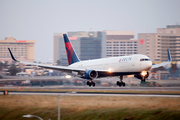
(145, 59)
(141, 59)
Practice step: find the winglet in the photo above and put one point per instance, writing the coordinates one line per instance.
(12, 55)
(169, 56)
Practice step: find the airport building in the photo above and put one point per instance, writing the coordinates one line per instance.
(155, 45)
(22, 49)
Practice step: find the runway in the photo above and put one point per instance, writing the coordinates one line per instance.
(127, 88)
(119, 88)
(90, 94)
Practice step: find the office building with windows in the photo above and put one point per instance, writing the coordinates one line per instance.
(120, 43)
(155, 45)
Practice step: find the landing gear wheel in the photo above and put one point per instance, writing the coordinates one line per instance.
(143, 80)
(93, 84)
(121, 83)
(117, 83)
(124, 84)
(87, 83)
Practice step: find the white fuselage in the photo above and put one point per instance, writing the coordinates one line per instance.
(132, 63)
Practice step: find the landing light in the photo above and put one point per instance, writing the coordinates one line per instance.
(68, 76)
(109, 70)
(144, 73)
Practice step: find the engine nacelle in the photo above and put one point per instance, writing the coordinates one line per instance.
(90, 74)
(144, 74)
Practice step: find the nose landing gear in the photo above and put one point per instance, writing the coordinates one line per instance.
(144, 75)
(143, 79)
(121, 83)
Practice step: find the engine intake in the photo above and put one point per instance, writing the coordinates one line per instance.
(90, 74)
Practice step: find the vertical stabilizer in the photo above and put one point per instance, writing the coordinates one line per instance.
(71, 54)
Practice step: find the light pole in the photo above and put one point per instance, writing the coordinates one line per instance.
(29, 116)
(59, 96)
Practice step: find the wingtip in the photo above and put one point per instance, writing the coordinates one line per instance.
(12, 55)
(169, 55)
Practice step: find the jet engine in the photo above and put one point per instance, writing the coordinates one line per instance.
(90, 74)
(143, 74)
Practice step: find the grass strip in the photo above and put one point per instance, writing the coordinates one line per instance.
(89, 108)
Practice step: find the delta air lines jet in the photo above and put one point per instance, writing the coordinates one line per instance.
(137, 65)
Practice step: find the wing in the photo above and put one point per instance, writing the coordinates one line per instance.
(163, 63)
(60, 68)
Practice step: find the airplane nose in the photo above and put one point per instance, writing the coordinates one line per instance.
(150, 64)
(147, 65)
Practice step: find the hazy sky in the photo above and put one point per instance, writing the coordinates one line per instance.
(40, 19)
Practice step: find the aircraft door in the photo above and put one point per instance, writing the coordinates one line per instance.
(133, 61)
(131, 65)
(134, 65)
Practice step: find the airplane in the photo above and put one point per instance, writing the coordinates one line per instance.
(137, 65)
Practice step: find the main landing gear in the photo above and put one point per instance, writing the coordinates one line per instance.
(121, 83)
(91, 83)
